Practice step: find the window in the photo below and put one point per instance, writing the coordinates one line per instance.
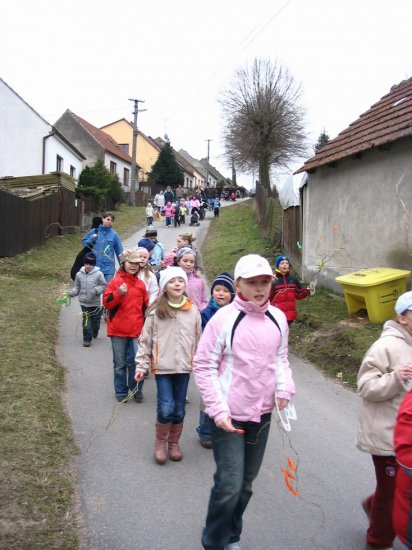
(126, 177)
(125, 147)
(72, 171)
(113, 167)
(59, 164)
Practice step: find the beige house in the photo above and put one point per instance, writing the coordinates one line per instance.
(356, 203)
(147, 150)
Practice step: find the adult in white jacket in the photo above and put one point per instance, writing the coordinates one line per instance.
(241, 368)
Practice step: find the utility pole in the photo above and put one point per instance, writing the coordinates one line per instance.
(134, 171)
(207, 166)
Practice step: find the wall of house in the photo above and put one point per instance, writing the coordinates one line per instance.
(54, 147)
(80, 138)
(358, 215)
(120, 166)
(21, 136)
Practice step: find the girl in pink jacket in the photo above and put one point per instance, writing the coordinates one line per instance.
(242, 371)
(196, 285)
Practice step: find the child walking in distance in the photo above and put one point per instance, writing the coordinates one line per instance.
(242, 371)
(89, 284)
(383, 380)
(196, 285)
(126, 299)
(223, 292)
(286, 289)
(158, 254)
(149, 213)
(402, 507)
(167, 346)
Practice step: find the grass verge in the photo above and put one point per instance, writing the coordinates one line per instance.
(38, 486)
(324, 333)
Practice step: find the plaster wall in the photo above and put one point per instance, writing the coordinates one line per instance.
(21, 136)
(80, 138)
(54, 147)
(356, 215)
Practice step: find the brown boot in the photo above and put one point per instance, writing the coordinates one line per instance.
(174, 436)
(162, 434)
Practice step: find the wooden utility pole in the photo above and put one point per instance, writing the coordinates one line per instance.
(134, 147)
(207, 166)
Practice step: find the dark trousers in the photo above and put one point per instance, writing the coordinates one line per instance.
(380, 505)
(238, 459)
(91, 317)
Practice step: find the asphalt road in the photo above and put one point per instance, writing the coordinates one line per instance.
(129, 502)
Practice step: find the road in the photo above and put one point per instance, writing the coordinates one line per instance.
(129, 502)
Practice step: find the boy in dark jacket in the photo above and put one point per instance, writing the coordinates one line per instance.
(286, 289)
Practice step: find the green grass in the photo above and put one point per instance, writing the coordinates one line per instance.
(323, 334)
(37, 490)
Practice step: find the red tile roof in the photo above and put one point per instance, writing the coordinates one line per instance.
(386, 121)
(109, 144)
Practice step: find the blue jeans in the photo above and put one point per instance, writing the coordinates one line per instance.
(123, 373)
(204, 426)
(90, 321)
(130, 359)
(238, 459)
(171, 397)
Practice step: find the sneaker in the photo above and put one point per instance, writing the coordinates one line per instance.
(233, 546)
(206, 443)
(138, 396)
(121, 398)
(87, 344)
(95, 333)
(187, 400)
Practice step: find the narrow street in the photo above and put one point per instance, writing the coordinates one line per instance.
(129, 502)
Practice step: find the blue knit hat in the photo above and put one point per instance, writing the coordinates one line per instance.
(226, 280)
(280, 259)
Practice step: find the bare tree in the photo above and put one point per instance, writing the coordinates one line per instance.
(264, 124)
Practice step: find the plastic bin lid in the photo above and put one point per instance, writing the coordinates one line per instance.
(373, 276)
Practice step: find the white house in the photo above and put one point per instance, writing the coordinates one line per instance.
(29, 145)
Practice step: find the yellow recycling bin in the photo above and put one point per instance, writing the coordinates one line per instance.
(375, 290)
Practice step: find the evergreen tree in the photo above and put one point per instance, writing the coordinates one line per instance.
(322, 140)
(98, 182)
(165, 170)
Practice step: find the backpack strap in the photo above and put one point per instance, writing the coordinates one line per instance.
(235, 324)
(274, 320)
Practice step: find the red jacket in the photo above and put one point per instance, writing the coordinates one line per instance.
(126, 311)
(402, 507)
(286, 289)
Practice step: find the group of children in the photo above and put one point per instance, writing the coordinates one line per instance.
(161, 320)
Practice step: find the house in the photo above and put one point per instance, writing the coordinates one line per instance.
(199, 171)
(96, 145)
(147, 149)
(357, 200)
(213, 175)
(29, 145)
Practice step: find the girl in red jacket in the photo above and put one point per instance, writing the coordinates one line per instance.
(286, 289)
(126, 299)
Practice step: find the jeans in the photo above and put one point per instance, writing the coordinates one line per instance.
(130, 359)
(149, 220)
(171, 397)
(123, 373)
(380, 504)
(204, 426)
(168, 221)
(238, 459)
(90, 321)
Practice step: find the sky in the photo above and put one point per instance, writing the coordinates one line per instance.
(92, 56)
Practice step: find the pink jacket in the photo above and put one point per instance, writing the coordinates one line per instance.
(240, 367)
(196, 290)
(169, 211)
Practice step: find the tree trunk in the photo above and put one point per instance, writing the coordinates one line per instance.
(264, 178)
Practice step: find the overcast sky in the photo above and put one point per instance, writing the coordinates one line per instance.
(91, 56)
